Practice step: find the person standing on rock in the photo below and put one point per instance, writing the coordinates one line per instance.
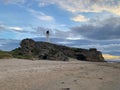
(47, 35)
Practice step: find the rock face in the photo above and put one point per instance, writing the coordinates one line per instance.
(44, 50)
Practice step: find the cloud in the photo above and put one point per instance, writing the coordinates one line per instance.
(5, 27)
(41, 16)
(76, 6)
(80, 18)
(108, 56)
(43, 3)
(73, 38)
(14, 1)
(15, 28)
(104, 30)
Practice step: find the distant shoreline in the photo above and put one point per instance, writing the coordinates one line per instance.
(110, 60)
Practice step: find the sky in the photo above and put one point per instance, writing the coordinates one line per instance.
(76, 23)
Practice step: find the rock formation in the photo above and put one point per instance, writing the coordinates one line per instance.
(44, 50)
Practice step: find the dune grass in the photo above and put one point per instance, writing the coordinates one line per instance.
(4, 55)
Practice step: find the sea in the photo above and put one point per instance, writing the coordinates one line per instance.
(115, 60)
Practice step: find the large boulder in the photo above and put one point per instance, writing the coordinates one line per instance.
(44, 50)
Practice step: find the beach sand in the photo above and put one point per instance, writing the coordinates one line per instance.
(16, 74)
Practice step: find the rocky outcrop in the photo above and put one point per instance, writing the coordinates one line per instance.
(44, 50)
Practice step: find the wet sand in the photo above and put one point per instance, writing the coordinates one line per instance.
(16, 74)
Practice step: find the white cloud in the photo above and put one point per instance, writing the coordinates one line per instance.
(64, 42)
(80, 18)
(74, 38)
(76, 6)
(43, 3)
(41, 15)
(5, 27)
(45, 17)
(15, 28)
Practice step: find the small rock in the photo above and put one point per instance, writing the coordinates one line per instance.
(101, 78)
(65, 88)
(62, 82)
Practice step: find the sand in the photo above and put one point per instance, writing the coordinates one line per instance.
(16, 74)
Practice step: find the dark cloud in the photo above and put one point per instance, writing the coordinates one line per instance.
(100, 30)
(105, 30)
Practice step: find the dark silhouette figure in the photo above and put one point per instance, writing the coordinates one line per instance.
(47, 35)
